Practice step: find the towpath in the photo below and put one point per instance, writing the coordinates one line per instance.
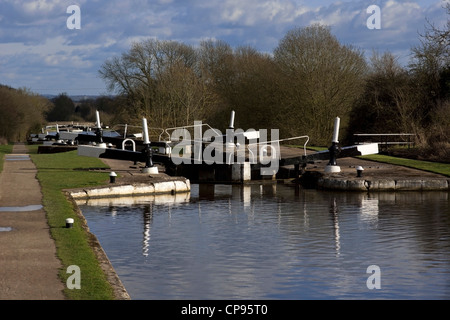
(28, 263)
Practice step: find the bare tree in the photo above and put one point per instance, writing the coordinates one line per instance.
(430, 72)
(325, 79)
(143, 74)
(243, 80)
(389, 86)
(387, 104)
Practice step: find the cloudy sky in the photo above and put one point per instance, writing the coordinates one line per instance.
(39, 52)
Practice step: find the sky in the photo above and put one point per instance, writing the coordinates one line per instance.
(42, 50)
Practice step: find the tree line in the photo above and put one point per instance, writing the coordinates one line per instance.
(307, 81)
(21, 112)
(299, 88)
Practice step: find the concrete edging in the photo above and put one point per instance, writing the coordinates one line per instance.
(383, 184)
(135, 189)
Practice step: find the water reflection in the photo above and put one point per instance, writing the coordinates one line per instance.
(369, 211)
(277, 242)
(146, 203)
(334, 212)
(148, 216)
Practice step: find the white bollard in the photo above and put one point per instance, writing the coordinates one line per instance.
(359, 171)
(69, 223)
(112, 177)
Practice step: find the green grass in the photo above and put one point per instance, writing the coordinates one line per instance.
(4, 149)
(435, 167)
(65, 171)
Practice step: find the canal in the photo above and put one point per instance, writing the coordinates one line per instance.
(277, 242)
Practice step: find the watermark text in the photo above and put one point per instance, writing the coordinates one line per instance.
(74, 280)
(74, 21)
(374, 21)
(374, 280)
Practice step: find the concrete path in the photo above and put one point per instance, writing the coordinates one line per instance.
(28, 263)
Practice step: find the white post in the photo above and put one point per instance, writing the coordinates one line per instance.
(145, 128)
(149, 167)
(97, 114)
(232, 120)
(332, 166)
(337, 121)
(99, 130)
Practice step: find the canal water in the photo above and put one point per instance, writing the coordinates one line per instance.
(277, 242)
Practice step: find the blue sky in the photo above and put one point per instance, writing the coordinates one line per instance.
(39, 52)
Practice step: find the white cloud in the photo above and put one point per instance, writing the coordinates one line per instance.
(66, 60)
(256, 12)
(40, 6)
(33, 34)
(399, 15)
(54, 47)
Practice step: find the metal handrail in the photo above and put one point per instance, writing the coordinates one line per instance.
(190, 126)
(132, 126)
(278, 141)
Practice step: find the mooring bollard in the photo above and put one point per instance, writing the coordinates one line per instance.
(359, 171)
(69, 223)
(112, 177)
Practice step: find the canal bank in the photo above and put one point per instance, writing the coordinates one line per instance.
(37, 247)
(42, 180)
(374, 176)
(129, 180)
(30, 256)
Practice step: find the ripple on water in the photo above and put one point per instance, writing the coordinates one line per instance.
(282, 245)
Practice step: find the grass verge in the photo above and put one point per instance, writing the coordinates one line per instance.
(66, 171)
(435, 167)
